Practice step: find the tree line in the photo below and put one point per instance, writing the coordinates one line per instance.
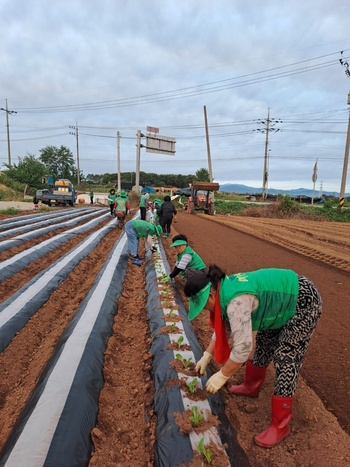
(59, 163)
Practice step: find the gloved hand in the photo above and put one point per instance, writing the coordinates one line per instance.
(203, 362)
(166, 279)
(216, 382)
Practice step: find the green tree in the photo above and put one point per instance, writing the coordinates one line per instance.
(29, 170)
(59, 162)
(202, 175)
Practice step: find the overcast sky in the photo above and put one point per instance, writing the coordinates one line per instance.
(112, 65)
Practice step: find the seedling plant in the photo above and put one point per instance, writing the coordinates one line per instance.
(185, 361)
(180, 341)
(207, 453)
(196, 416)
(191, 385)
(171, 313)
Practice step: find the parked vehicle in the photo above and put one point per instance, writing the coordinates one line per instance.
(62, 193)
(183, 192)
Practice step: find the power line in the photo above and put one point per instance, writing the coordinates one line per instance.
(201, 89)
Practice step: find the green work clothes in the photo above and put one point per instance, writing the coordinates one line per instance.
(277, 292)
(112, 197)
(195, 262)
(122, 204)
(143, 201)
(143, 228)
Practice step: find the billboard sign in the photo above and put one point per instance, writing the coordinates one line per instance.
(160, 144)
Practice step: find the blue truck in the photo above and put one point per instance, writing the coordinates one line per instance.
(62, 193)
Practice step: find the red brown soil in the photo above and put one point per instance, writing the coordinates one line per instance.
(125, 431)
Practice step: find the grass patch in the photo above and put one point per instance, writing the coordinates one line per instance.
(10, 211)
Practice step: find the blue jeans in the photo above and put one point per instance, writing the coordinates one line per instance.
(133, 241)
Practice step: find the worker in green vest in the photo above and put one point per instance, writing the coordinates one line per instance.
(283, 307)
(187, 260)
(111, 198)
(123, 203)
(143, 206)
(136, 229)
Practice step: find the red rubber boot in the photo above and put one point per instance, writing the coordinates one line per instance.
(253, 380)
(281, 409)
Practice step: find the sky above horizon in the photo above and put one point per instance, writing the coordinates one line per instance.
(113, 66)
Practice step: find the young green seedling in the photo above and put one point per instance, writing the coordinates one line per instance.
(196, 416)
(173, 327)
(207, 453)
(180, 341)
(171, 313)
(192, 385)
(185, 361)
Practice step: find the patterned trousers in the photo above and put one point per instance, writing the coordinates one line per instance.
(287, 346)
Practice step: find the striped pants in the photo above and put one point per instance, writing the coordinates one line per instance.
(287, 346)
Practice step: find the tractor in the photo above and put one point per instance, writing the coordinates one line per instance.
(201, 198)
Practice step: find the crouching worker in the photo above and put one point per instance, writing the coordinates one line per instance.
(187, 260)
(283, 307)
(136, 229)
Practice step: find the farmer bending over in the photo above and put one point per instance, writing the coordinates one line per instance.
(136, 229)
(283, 307)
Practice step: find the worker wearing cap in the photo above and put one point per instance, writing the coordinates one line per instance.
(283, 307)
(187, 260)
(136, 229)
(123, 203)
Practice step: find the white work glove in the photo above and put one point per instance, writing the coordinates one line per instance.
(216, 382)
(203, 362)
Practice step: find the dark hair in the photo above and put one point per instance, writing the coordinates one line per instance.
(167, 198)
(180, 237)
(199, 279)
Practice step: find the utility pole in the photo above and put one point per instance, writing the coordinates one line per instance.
(208, 146)
(268, 127)
(346, 160)
(345, 64)
(76, 134)
(138, 157)
(8, 112)
(314, 179)
(118, 161)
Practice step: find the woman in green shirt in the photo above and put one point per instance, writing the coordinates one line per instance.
(112, 198)
(136, 229)
(187, 260)
(283, 307)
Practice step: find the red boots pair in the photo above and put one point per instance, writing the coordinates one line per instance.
(281, 407)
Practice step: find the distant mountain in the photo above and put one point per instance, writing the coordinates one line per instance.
(249, 190)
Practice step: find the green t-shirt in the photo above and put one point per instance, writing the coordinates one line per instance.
(112, 198)
(143, 228)
(143, 201)
(276, 289)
